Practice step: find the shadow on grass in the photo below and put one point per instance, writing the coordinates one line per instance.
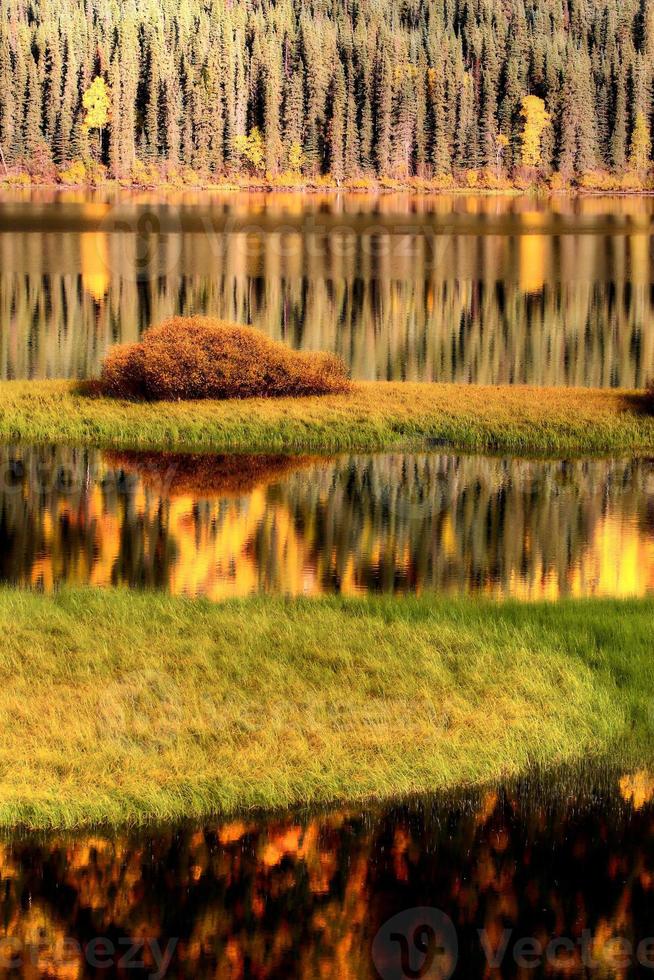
(641, 402)
(88, 388)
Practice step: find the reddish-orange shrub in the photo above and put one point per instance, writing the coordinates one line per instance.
(202, 357)
(122, 371)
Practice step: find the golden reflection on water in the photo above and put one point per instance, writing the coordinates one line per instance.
(637, 208)
(234, 526)
(94, 261)
(452, 288)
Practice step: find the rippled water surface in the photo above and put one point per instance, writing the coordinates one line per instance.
(223, 526)
(464, 288)
(306, 895)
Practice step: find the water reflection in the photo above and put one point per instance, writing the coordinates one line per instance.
(403, 287)
(226, 526)
(304, 895)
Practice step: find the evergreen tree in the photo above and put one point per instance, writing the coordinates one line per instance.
(421, 131)
(8, 113)
(33, 136)
(63, 135)
(404, 124)
(441, 154)
(152, 102)
(351, 160)
(337, 126)
(172, 115)
(578, 152)
(384, 122)
(273, 99)
(619, 133)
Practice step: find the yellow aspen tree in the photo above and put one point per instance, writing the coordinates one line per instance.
(97, 102)
(536, 119)
(252, 148)
(641, 145)
(295, 157)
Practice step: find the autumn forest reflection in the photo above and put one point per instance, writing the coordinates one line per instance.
(304, 895)
(230, 526)
(483, 290)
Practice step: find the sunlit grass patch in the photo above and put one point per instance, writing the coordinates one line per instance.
(373, 415)
(120, 706)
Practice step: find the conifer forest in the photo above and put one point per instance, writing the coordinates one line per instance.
(349, 89)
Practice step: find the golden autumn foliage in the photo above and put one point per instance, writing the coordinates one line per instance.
(122, 371)
(252, 149)
(203, 357)
(296, 157)
(641, 145)
(536, 119)
(96, 102)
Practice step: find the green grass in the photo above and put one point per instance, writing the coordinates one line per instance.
(375, 415)
(120, 706)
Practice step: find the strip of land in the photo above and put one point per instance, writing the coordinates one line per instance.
(123, 706)
(373, 416)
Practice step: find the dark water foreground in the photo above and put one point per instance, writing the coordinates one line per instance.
(550, 877)
(229, 526)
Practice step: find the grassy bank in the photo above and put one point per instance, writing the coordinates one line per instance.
(375, 415)
(124, 706)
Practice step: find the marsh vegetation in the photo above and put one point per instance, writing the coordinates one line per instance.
(117, 706)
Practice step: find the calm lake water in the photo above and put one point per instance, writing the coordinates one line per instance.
(310, 895)
(223, 526)
(462, 288)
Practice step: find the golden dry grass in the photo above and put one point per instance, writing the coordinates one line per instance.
(374, 415)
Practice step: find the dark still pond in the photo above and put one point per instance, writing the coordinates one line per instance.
(450, 288)
(545, 880)
(223, 526)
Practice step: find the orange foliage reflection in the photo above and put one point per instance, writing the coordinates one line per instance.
(235, 525)
(305, 895)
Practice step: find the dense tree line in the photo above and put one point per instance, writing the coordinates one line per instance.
(347, 87)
